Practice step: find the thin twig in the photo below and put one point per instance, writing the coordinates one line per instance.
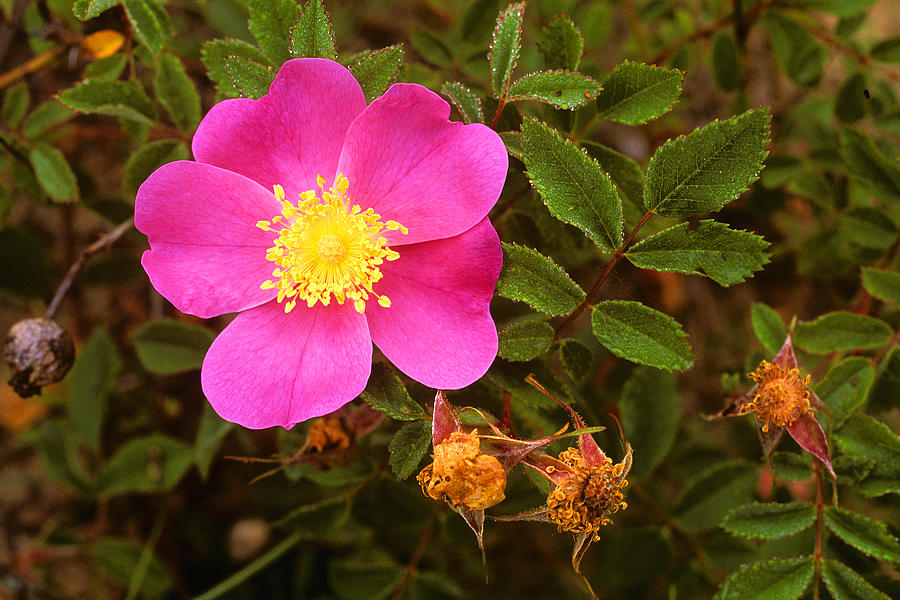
(413, 563)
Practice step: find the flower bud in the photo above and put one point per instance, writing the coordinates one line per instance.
(39, 352)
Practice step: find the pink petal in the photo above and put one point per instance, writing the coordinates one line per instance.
(438, 329)
(207, 256)
(408, 162)
(809, 435)
(786, 357)
(269, 368)
(288, 136)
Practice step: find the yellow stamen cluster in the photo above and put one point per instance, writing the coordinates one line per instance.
(327, 247)
(462, 476)
(781, 396)
(582, 502)
(329, 433)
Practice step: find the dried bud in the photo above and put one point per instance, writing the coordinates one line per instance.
(39, 352)
(462, 475)
(781, 396)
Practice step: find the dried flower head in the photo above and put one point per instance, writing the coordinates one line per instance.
(781, 396)
(39, 352)
(329, 433)
(462, 475)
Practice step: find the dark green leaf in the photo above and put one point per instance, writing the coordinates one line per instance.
(525, 340)
(795, 49)
(377, 70)
(92, 379)
(431, 47)
(625, 174)
(53, 172)
(779, 579)
(866, 535)
(572, 184)
(852, 469)
(210, 434)
(641, 334)
(866, 163)
(177, 93)
(561, 43)
(148, 464)
(271, 22)
(887, 50)
(837, 331)
(467, 104)
(119, 558)
(88, 9)
(109, 67)
(15, 104)
(505, 45)
(250, 78)
(769, 521)
(846, 387)
(408, 446)
(864, 436)
(710, 495)
(884, 285)
(884, 395)
(312, 35)
(850, 104)
(868, 227)
(576, 358)
(535, 279)
(634, 93)
(792, 466)
(727, 68)
(124, 99)
(386, 393)
(214, 54)
(321, 519)
(364, 576)
(708, 168)
(845, 584)
(768, 327)
(727, 256)
(424, 585)
(26, 266)
(145, 23)
(46, 116)
(149, 158)
(56, 441)
(562, 89)
(510, 377)
(650, 410)
(166, 347)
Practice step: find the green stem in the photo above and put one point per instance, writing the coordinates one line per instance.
(140, 571)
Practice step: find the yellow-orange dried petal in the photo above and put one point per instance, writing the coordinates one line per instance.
(101, 44)
(781, 396)
(462, 475)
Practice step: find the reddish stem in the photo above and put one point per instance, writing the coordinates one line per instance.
(500, 106)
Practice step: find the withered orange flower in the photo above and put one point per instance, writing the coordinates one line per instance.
(462, 475)
(781, 397)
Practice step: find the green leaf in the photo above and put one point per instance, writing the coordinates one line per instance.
(364, 576)
(883, 396)
(866, 535)
(850, 103)
(887, 50)
(109, 67)
(572, 184)
(561, 43)
(119, 558)
(792, 466)
(868, 227)
(408, 446)
(778, 579)
(535, 279)
(43, 118)
(576, 358)
(321, 519)
(864, 436)
(836, 331)
(386, 393)
(846, 387)
(795, 49)
(883, 284)
(505, 45)
(431, 47)
(56, 441)
(710, 495)
(866, 163)
(88, 9)
(650, 409)
(769, 520)
(149, 158)
(210, 434)
(641, 334)
(270, 23)
(562, 89)
(845, 584)
(467, 104)
(312, 35)
(250, 78)
(124, 99)
(167, 347)
(145, 23)
(625, 174)
(708, 168)
(768, 327)
(214, 54)
(841, 8)
(478, 20)
(727, 69)
(53, 172)
(510, 377)
(15, 104)
(150, 464)
(378, 70)
(634, 93)
(92, 379)
(727, 256)
(177, 93)
(525, 340)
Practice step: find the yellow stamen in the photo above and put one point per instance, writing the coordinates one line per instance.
(781, 396)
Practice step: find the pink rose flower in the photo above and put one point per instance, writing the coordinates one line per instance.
(329, 225)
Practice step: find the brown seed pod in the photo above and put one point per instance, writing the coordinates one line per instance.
(39, 352)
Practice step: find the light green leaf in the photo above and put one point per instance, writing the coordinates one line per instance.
(710, 495)
(641, 334)
(270, 23)
(431, 47)
(525, 340)
(365, 575)
(250, 78)
(769, 520)
(708, 168)
(53, 172)
(312, 35)
(377, 70)
(145, 23)
(883, 284)
(634, 93)
(119, 558)
(887, 50)
(505, 45)
(124, 99)
(727, 256)
(841, 8)
(467, 103)
(149, 158)
(836, 331)
(46, 116)
(778, 579)
(846, 387)
(386, 393)
(795, 49)
(561, 43)
(92, 379)
(88, 9)
(850, 103)
(15, 104)
(562, 89)
(572, 184)
(866, 163)
(845, 584)
(768, 327)
(727, 69)
(213, 56)
(177, 93)
(535, 279)
(576, 358)
(210, 434)
(866, 535)
(625, 174)
(868, 227)
(166, 347)
(408, 446)
(109, 67)
(149, 464)
(650, 409)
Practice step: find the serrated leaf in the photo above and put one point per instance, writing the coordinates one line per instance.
(431, 47)
(88, 9)
(866, 535)
(210, 434)
(768, 327)
(213, 56)
(562, 89)
(727, 256)
(467, 103)
(769, 520)
(846, 387)
(177, 93)
(46, 116)
(572, 184)
(778, 579)
(883, 284)
(149, 158)
(561, 43)
(270, 23)
(708, 168)
(15, 104)
(53, 172)
(524, 340)
(154, 463)
(145, 24)
(850, 102)
(377, 70)
(836, 331)
(505, 45)
(651, 410)
(89, 384)
(795, 49)
(250, 78)
(634, 93)
(408, 446)
(638, 333)
(124, 99)
(887, 50)
(535, 279)
(792, 466)
(627, 176)
(845, 584)
(167, 347)
(727, 68)
(864, 436)
(576, 358)
(866, 163)
(386, 393)
(312, 35)
(710, 495)
(868, 227)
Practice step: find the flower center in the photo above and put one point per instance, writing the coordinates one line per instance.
(781, 397)
(327, 248)
(582, 502)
